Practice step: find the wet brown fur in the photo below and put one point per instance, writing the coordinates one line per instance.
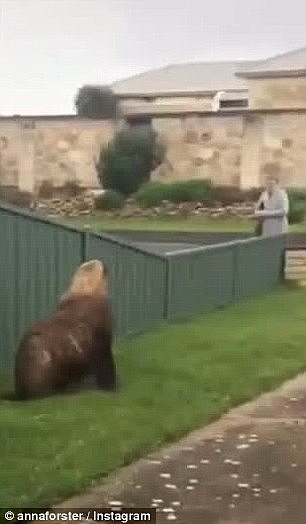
(75, 341)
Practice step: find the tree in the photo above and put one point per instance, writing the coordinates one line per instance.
(126, 163)
(96, 102)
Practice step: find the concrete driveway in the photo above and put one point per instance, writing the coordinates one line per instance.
(248, 468)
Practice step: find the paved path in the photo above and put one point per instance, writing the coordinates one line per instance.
(248, 468)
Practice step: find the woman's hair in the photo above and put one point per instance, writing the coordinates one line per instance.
(273, 178)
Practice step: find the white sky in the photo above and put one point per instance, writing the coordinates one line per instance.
(49, 48)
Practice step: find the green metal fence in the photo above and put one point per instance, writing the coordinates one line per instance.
(37, 260)
(38, 257)
(207, 277)
(258, 265)
(137, 282)
(200, 279)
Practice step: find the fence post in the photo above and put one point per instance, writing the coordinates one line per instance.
(283, 258)
(167, 289)
(235, 271)
(85, 245)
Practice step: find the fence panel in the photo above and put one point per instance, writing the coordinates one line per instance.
(36, 263)
(259, 264)
(200, 279)
(38, 258)
(204, 278)
(138, 283)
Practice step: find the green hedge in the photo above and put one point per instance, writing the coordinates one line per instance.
(153, 194)
(109, 200)
(297, 209)
(297, 212)
(297, 195)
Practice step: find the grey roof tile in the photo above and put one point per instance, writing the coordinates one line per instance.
(207, 77)
(198, 77)
(291, 62)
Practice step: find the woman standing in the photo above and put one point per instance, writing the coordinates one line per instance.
(272, 209)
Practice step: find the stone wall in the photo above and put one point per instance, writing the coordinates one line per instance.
(201, 147)
(51, 148)
(277, 93)
(238, 148)
(10, 148)
(283, 148)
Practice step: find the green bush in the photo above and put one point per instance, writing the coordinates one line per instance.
(188, 191)
(297, 205)
(126, 163)
(122, 173)
(152, 194)
(194, 191)
(109, 200)
(96, 102)
(297, 195)
(296, 212)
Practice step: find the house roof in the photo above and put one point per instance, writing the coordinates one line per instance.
(292, 63)
(182, 79)
(209, 77)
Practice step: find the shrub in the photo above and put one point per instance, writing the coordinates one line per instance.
(122, 173)
(297, 195)
(152, 194)
(13, 196)
(188, 191)
(46, 189)
(296, 212)
(126, 163)
(297, 205)
(194, 191)
(109, 200)
(96, 102)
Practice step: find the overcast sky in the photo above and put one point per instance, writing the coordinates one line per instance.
(48, 48)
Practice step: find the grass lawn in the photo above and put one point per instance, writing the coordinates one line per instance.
(230, 225)
(174, 379)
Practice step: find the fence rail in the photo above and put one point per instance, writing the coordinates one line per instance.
(207, 277)
(38, 257)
